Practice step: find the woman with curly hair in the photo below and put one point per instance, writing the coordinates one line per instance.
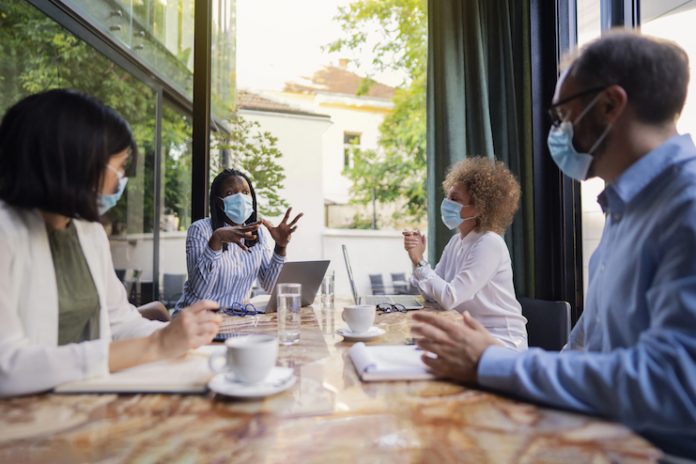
(475, 273)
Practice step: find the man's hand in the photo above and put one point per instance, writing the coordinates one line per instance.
(458, 346)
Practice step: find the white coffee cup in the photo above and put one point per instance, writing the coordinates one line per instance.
(250, 357)
(359, 317)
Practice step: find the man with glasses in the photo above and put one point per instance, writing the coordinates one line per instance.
(632, 355)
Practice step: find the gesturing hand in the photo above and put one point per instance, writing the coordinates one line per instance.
(414, 244)
(194, 326)
(282, 232)
(233, 234)
(458, 346)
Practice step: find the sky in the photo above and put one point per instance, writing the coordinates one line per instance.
(281, 40)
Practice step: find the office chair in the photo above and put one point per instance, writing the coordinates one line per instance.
(399, 283)
(173, 288)
(548, 323)
(377, 284)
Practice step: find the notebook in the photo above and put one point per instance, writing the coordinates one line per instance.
(409, 302)
(388, 362)
(187, 374)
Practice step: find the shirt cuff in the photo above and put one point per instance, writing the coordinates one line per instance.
(276, 258)
(209, 253)
(95, 358)
(496, 368)
(423, 272)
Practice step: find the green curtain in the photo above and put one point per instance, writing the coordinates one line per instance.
(479, 103)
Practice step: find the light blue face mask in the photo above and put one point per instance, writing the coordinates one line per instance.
(238, 207)
(450, 211)
(572, 163)
(106, 202)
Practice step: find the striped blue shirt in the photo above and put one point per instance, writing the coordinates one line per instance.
(226, 276)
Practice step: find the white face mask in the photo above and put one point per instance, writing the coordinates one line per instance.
(451, 213)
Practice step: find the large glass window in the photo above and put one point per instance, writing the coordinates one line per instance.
(38, 54)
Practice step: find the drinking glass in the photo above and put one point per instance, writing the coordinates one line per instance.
(289, 303)
(327, 290)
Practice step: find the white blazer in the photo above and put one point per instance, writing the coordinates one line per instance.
(30, 358)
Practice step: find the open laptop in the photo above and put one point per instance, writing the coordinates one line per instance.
(308, 273)
(408, 301)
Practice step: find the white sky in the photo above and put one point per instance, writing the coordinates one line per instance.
(281, 40)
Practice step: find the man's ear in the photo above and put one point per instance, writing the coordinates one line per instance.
(615, 101)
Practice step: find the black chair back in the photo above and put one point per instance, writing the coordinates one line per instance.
(399, 283)
(548, 323)
(377, 284)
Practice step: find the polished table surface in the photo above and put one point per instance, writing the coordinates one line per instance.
(328, 416)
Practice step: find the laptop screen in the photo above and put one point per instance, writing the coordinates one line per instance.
(350, 274)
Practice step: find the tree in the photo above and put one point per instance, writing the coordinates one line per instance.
(254, 151)
(401, 158)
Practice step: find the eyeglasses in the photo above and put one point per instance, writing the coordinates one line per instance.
(556, 117)
(386, 308)
(240, 310)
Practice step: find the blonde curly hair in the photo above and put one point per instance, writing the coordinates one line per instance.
(493, 189)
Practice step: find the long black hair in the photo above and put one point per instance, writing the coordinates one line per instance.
(54, 148)
(217, 214)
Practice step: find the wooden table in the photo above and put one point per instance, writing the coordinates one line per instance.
(329, 416)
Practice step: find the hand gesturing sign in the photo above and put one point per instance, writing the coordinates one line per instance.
(282, 232)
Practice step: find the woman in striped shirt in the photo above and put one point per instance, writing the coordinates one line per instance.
(225, 273)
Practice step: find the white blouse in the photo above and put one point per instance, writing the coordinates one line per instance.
(475, 275)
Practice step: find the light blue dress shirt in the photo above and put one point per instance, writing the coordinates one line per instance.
(226, 276)
(632, 354)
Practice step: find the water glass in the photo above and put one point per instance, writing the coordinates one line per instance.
(327, 290)
(289, 302)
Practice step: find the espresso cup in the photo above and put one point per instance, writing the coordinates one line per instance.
(250, 358)
(359, 317)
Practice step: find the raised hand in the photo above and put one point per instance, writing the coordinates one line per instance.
(414, 244)
(233, 234)
(282, 233)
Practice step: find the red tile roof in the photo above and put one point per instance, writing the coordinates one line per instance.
(332, 79)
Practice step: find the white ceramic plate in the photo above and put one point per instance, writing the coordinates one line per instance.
(278, 380)
(371, 333)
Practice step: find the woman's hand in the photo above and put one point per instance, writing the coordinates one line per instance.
(233, 234)
(194, 326)
(282, 232)
(414, 244)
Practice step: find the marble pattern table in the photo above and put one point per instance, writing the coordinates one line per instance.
(328, 416)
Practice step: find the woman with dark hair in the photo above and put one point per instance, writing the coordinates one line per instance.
(226, 274)
(64, 315)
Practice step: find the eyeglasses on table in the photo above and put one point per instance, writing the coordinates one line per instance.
(386, 308)
(240, 310)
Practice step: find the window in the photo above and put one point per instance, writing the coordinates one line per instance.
(351, 141)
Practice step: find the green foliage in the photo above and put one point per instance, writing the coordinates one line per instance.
(398, 171)
(255, 152)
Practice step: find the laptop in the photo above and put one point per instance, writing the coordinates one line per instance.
(308, 273)
(409, 302)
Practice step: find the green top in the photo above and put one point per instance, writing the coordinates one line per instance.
(78, 301)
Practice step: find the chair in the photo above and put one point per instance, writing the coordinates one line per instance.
(121, 274)
(377, 284)
(548, 323)
(173, 288)
(399, 283)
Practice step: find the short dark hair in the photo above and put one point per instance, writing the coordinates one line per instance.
(54, 148)
(653, 72)
(217, 215)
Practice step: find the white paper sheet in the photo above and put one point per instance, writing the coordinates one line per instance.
(388, 362)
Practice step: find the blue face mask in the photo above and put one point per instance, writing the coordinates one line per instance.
(450, 211)
(106, 202)
(572, 163)
(238, 207)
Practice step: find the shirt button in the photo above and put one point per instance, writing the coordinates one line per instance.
(616, 217)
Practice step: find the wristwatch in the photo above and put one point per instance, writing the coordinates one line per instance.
(422, 262)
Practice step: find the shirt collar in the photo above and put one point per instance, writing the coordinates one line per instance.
(640, 174)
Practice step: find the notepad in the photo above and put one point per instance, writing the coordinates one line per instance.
(388, 362)
(187, 374)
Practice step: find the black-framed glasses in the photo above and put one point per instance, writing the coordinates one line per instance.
(556, 117)
(386, 308)
(240, 310)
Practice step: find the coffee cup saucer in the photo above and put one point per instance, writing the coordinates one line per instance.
(369, 334)
(278, 380)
